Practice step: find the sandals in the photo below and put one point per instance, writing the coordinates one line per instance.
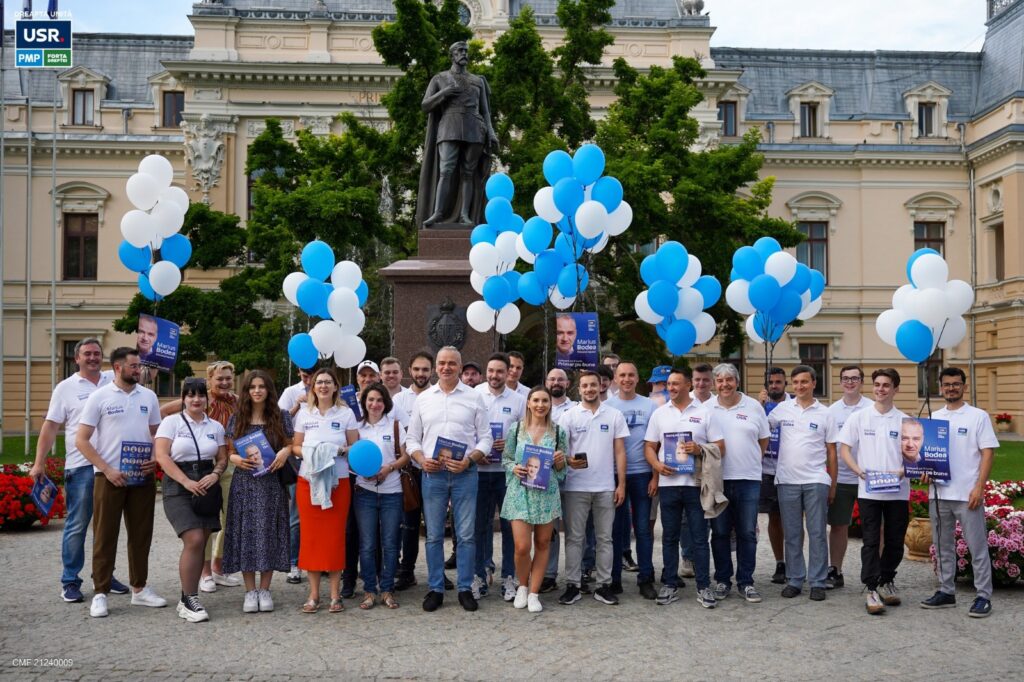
(336, 606)
(388, 600)
(311, 606)
(369, 600)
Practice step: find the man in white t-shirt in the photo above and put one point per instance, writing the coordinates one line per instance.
(65, 409)
(421, 369)
(516, 365)
(869, 443)
(557, 383)
(972, 444)
(124, 416)
(703, 380)
(391, 377)
(293, 397)
(840, 512)
(806, 481)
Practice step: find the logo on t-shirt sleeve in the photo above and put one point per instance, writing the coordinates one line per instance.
(144, 409)
(604, 427)
(812, 426)
(336, 426)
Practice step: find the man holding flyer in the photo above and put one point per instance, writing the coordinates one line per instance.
(869, 443)
(971, 448)
(124, 416)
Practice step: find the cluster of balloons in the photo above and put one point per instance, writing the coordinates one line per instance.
(928, 312)
(152, 244)
(771, 287)
(677, 296)
(339, 302)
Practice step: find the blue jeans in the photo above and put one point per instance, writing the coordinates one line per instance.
(795, 502)
(677, 502)
(489, 497)
(78, 484)
(293, 525)
(637, 506)
(380, 520)
(741, 514)
(438, 489)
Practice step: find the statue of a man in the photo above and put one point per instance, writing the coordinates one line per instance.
(458, 143)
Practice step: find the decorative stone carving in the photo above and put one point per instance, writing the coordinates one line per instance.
(204, 148)
(81, 197)
(708, 137)
(446, 326)
(256, 128)
(691, 8)
(932, 207)
(815, 207)
(318, 125)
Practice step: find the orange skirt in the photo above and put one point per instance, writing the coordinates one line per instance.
(322, 531)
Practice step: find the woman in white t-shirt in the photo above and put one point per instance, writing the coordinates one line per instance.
(189, 447)
(378, 500)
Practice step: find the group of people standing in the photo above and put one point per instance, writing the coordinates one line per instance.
(707, 461)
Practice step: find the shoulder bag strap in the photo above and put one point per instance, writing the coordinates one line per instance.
(199, 458)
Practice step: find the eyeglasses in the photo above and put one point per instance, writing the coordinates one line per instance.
(953, 385)
(325, 382)
(850, 380)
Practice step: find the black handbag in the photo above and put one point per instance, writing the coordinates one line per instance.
(288, 474)
(210, 504)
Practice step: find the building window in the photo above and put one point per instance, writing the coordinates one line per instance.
(928, 376)
(174, 103)
(167, 384)
(1000, 258)
(808, 119)
(727, 115)
(815, 355)
(69, 367)
(926, 119)
(813, 250)
(930, 236)
(81, 232)
(82, 107)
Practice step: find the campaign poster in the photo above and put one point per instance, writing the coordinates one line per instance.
(577, 341)
(44, 494)
(256, 443)
(446, 448)
(157, 342)
(925, 447)
(497, 433)
(538, 461)
(351, 398)
(675, 456)
(133, 455)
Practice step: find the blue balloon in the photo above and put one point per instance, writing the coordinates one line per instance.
(548, 265)
(498, 213)
(177, 249)
(134, 258)
(709, 288)
(733, 275)
(588, 164)
(766, 246)
(817, 284)
(565, 226)
(500, 185)
(568, 196)
(570, 277)
(513, 277)
(146, 289)
(649, 270)
(764, 292)
(364, 458)
(302, 351)
(663, 297)
(681, 337)
(801, 279)
(914, 340)
(569, 248)
(747, 262)
(362, 292)
(662, 328)
(588, 243)
(672, 261)
(483, 233)
(310, 296)
(557, 165)
(537, 234)
(317, 260)
(789, 306)
(497, 292)
(514, 224)
(769, 328)
(607, 191)
(910, 262)
(531, 290)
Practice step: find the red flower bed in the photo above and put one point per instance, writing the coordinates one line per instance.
(17, 510)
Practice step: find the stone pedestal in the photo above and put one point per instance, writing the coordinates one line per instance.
(431, 293)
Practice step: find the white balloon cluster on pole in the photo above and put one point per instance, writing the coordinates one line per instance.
(928, 312)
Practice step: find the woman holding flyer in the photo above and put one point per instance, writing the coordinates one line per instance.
(378, 500)
(531, 507)
(257, 535)
(189, 447)
(324, 428)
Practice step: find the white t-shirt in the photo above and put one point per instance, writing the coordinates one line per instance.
(404, 400)
(803, 434)
(970, 432)
(383, 434)
(66, 405)
(504, 409)
(694, 418)
(874, 439)
(523, 390)
(119, 416)
(742, 426)
(840, 412)
(209, 435)
(557, 410)
(291, 396)
(326, 428)
(593, 433)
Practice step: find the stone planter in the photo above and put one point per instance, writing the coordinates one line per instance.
(919, 539)
(1003, 427)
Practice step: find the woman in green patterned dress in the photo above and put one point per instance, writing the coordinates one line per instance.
(532, 511)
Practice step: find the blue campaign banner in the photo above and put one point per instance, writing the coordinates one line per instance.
(538, 461)
(256, 443)
(925, 447)
(446, 448)
(133, 455)
(157, 342)
(674, 454)
(577, 341)
(351, 398)
(44, 493)
(43, 35)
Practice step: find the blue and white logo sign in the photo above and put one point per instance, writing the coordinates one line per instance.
(43, 44)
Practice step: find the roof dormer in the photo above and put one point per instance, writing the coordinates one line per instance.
(927, 106)
(82, 89)
(810, 104)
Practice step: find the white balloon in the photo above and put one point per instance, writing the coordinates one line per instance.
(483, 258)
(781, 266)
(559, 301)
(619, 220)
(902, 298)
(476, 280)
(691, 302)
(168, 218)
(137, 228)
(692, 274)
(156, 242)
(705, 325)
(354, 325)
(591, 218)
(953, 333)
(291, 286)
(643, 309)
(738, 298)
(523, 252)
(887, 324)
(480, 316)
(143, 191)
(159, 168)
(930, 307)
(346, 274)
(177, 195)
(508, 319)
(544, 205)
(326, 335)
(164, 277)
(805, 299)
(342, 304)
(505, 245)
(812, 309)
(959, 297)
(751, 332)
(599, 246)
(929, 272)
(351, 351)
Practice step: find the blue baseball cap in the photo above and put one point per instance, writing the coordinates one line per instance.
(660, 374)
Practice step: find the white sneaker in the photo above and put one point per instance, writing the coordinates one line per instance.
(252, 602)
(477, 587)
(533, 603)
(191, 610)
(508, 588)
(232, 580)
(207, 584)
(522, 595)
(147, 597)
(294, 576)
(266, 602)
(98, 608)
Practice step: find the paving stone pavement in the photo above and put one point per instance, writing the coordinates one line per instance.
(792, 639)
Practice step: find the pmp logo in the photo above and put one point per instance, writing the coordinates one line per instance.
(44, 34)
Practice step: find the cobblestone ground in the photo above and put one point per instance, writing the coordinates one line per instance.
(793, 639)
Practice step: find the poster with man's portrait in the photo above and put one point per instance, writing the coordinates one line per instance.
(924, 444)
(577, 341)
(156, 340)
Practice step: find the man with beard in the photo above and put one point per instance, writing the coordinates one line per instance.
(770, 398)
(421, 368)
(557, 384)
